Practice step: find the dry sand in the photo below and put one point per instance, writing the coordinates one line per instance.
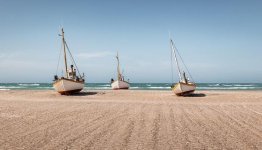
(130, 120)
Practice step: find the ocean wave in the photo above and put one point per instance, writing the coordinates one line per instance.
(44, 87)
(4, 89)
(10, 87)
(227, 84)
(226, 88)
(214, 84)
(97, 88)
(135, 87)
(157, 87)
(243, 85)
(28, 84)
(104, 85)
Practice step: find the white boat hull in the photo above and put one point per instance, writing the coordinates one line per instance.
(66, 86)
(181, 89)
(116, 85)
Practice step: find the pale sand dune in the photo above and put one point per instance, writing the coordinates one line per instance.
(130, 120)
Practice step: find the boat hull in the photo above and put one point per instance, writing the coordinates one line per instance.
(67, 86)
(181, 89)
(118, 85)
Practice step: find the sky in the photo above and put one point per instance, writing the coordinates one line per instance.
(219, 40)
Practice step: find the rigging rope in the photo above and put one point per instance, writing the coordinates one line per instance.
(58, 60)
(172, 67)
(72, 59)
(174, 52)
(184, 64)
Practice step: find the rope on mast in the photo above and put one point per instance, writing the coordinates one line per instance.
(59, 59)
(171, 61)
(183, 63)
(71, 56)
(172, 67)
(185, 66)
(173, 48)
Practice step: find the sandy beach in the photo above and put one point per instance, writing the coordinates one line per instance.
(130, 120)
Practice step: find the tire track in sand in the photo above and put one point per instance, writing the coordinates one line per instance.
(79, 126)
(109, 127)
(237, 127)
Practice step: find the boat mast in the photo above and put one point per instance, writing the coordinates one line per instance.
(173, 48)
(64, 46)
(118, 68)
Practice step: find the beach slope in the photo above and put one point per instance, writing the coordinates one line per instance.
(130, 120)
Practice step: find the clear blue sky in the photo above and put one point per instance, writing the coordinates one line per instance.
(219, 40)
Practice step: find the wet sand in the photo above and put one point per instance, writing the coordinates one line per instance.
(131, 120)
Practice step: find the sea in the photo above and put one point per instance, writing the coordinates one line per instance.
(135, 86)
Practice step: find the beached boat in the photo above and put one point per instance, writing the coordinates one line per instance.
(184, 86)
(120, 83)
(70, 83)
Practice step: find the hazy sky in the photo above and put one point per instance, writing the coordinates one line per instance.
(219, 40)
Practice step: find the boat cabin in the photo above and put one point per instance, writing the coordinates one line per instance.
(71, 73)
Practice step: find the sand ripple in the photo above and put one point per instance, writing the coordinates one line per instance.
(130, 120)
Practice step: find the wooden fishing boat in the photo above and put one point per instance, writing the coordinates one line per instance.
(70, 83)
(184, 86)
(117, 85)
(120, 83)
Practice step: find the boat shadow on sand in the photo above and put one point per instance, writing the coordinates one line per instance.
(195, 95)
(85, 93)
